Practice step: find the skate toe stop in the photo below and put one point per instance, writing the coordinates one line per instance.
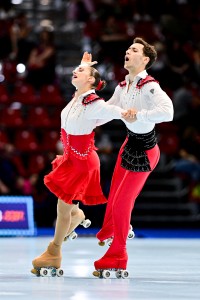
(34, 271)
(96, 273)
(101, 243)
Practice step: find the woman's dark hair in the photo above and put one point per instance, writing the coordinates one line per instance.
(98, 83)
(148, 51)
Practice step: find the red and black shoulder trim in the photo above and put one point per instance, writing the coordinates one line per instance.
(122, 83)
(90, 98)
(143, 81)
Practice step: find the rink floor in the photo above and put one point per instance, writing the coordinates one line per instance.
(159, 269)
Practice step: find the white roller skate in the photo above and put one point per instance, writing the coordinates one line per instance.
(106, 273)
(108, 241)
(73, 235)
(48, 272)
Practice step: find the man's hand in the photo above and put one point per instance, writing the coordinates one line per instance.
(87, 59)
(130, 115)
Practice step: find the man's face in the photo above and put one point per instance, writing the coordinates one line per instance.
(134, 58)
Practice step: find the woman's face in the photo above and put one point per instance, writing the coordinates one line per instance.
(82, 76)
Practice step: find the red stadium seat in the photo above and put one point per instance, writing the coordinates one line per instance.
(36, 163)
(26, 141)
(25, 93)
(4, 97)
(169, 143)
(4, 139)
(50, 94)
(50, 140)
(38, 117)
(11, 117)
(9, 71)
(146, 29)
(168, 139)
(55, 118)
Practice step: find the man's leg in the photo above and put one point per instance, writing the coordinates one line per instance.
(107, 229)
(125, 196)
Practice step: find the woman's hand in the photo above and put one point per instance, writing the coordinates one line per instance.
(87, 59)
(130, 115)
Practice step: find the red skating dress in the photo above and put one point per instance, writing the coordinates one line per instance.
(75, 175)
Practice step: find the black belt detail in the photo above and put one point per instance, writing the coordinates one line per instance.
(133, 156)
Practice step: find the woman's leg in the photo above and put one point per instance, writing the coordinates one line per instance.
(77, 216)
(63, 221)
(52, 256)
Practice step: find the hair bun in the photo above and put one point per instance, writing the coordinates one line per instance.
(101, 85)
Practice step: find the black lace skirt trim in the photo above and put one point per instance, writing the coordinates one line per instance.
(133, 156)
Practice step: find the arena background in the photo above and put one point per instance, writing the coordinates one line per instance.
(31, 99)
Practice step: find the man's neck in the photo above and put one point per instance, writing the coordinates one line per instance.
(133, 74)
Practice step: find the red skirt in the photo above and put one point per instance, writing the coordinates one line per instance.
(75, 175)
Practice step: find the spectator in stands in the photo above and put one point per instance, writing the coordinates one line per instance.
(183, 102)
(195, 66)
(4, 189)
(78, 11)
(178, 63)
(107, 159)
(188, 162)
(20, 38)
(5, 37)
(13, 175)
(114, 34)
(41, 62)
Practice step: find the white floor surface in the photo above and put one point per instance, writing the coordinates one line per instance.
(159, 269)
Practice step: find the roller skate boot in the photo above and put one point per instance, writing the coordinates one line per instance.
(48, 263)
(72, 233)
(108, 264)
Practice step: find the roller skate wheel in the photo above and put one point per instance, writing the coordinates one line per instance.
(101, 243)
(86, 223)
(106, 274)
(124, 274)
(53, 272)
(96, 273)
(59, 272)
(131, 234)
(73, 235)
(44, 272)
(118, 274)
(109, 241)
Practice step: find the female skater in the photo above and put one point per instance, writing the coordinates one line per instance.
(76, 173)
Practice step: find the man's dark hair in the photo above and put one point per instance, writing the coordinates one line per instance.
(148, 51)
